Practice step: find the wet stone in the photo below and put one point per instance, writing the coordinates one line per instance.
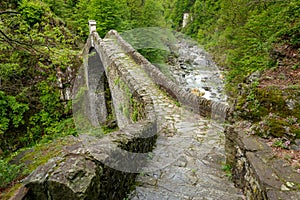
(185, 163)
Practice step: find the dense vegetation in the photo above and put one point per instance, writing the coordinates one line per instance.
(256, 42)
(37, 55)
(242, 34)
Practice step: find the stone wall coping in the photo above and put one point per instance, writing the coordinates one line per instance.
(129, 79)
(274, 178)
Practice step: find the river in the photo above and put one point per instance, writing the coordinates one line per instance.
(196, 72)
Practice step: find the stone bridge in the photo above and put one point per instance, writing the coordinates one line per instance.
(169, 144)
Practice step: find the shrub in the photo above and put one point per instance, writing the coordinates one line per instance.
(8, 172)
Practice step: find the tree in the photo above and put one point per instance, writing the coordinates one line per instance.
(34, 46)
(152, 14)
(135, 9)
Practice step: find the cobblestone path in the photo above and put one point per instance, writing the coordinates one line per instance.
(187, 160)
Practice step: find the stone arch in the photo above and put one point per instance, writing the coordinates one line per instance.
(99, 96)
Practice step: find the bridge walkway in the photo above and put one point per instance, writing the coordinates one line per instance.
(187, 160)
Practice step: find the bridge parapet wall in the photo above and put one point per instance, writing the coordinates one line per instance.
(255, 169)
(198, 104)
(123, 86)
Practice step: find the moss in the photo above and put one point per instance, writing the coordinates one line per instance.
(106, 129)
(249, 107)
(294, 87)
(43, 152)
(126, 112)
(255, 103)
(296, 132)
(272, 99)
(34, 157)
(276, 127)
(9, 193)
(137, 109)
(108, 101)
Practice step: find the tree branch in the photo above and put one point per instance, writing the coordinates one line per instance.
(6, 38)
(10, 41)
(15, 41)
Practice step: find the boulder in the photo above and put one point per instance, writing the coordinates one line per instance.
(76, 177)
(73, 177)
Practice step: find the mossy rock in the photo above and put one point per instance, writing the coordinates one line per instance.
(277, 127)
(272, 99)
(296, 131)
(255, 103)
(31, 159)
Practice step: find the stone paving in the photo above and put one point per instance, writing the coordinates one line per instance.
(187, 160)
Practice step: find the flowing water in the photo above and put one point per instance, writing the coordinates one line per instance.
(195, 70)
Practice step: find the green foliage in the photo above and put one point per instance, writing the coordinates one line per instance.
(155, 56)
(49, 122)
(152, 14)
(8, 172)
(155, 44)
(109, 14)
(227, 169)
(62, 8)
(32, 11)
(120, 15)
(205, 14)
(176, 15)
(12, 112)
(35, 49)
(135, 8)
